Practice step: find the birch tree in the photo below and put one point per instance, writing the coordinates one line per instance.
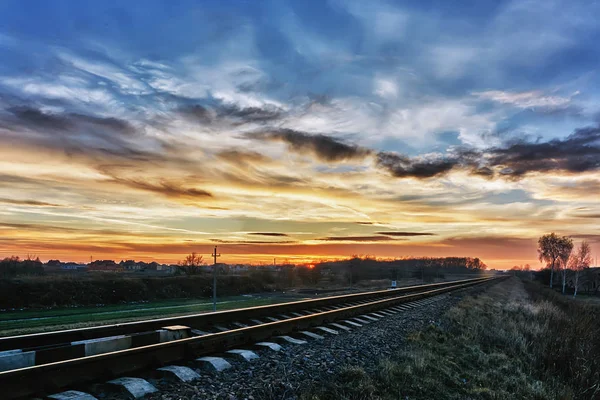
(550, 249)
(583, 260)
(566, 247)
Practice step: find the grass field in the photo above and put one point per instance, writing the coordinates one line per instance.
(513, 341)
(30, 321)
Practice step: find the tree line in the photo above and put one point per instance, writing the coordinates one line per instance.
(15, 266)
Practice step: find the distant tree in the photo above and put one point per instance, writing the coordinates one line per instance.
(565, 257)
(192, 264)
(582, 261)
(550, 249)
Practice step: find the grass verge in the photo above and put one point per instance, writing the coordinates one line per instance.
(512, 341)
(32, 321)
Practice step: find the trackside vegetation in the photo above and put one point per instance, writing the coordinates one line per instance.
(516, 340)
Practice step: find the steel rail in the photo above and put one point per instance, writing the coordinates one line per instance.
(200, 321)
(51, 378)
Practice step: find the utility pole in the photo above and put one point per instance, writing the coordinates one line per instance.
(215, 255)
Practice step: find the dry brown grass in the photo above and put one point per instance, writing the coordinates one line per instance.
(498, 345)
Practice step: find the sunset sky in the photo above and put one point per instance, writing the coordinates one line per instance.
(299, 130)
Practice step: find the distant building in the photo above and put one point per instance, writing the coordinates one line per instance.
(57, 265)
(104, 266)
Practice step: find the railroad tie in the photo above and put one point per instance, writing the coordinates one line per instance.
(72, 395)
(241, 355)
(327, 330)
(268, 345)
(311, 335)
(215, 364)
(136, 387)
(289, 339)
(340, 326)
(179, 373)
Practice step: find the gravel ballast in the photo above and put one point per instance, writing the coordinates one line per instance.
(285, 374)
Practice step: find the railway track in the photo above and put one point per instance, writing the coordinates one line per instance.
(46, 363)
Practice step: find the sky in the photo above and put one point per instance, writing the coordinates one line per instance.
(298, 130)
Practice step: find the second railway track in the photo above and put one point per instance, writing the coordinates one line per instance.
(65, 359)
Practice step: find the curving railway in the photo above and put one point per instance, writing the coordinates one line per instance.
(47, 363)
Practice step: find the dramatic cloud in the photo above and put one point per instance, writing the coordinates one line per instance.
(166, 188)
(396, 233)
(69, 123)
(401, 166)
(376, 116)
(238, 156)
(229, 113)
(324, 147)
(579, 152)
(274, 234)
(356, 238)
(251, 242)
(34, 203)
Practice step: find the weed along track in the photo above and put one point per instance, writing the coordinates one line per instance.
(51, 363)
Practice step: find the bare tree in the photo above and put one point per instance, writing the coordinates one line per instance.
(550, 249)
(191, 264)
(566, 248)
(583, 260)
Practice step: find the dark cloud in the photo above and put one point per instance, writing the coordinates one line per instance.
(250, 114)
(237, 156)
(579, 152)
(165, 188)
(275, 234)
(591, 216)
(378, 238)
(28, 203)
(396, 233)
(324, 147)
(70, 123)
(230, 114)
(247, 242)
(197, 113)
(401, 166)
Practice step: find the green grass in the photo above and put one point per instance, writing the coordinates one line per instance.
(31, 321)
(507, 343)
